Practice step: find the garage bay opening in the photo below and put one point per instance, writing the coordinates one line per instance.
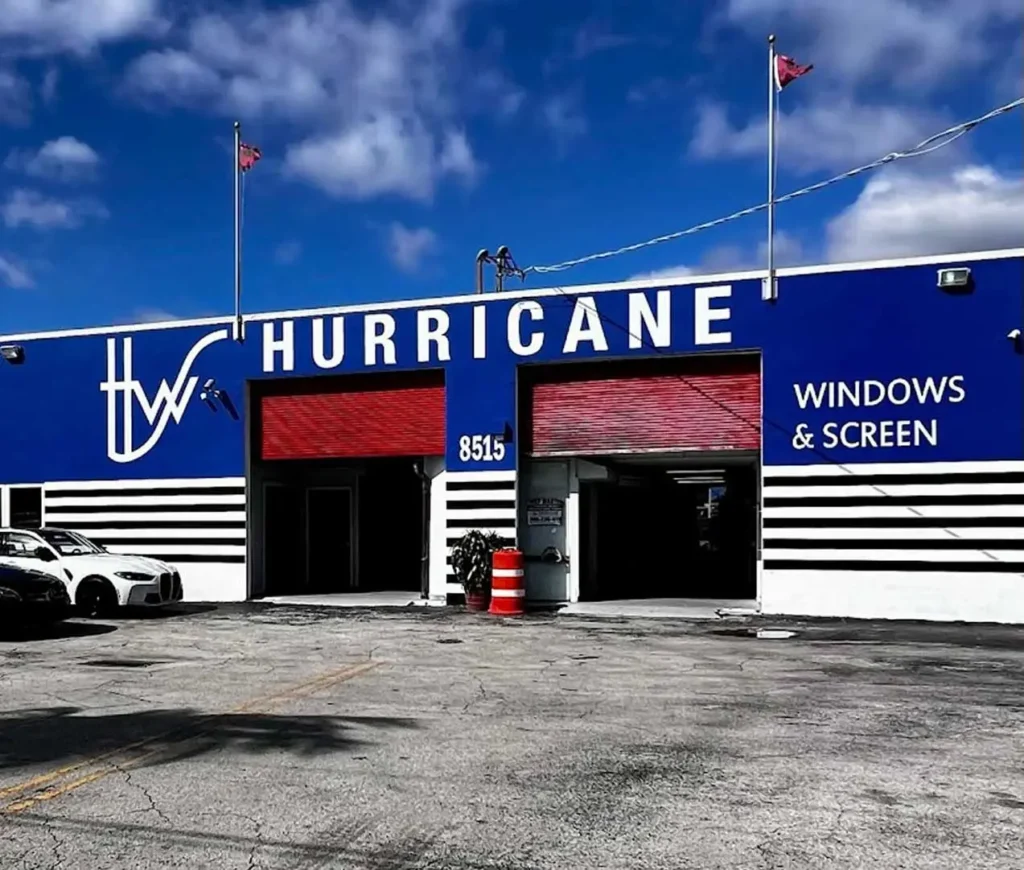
(640, 479)
(665, 528)
(339, 483)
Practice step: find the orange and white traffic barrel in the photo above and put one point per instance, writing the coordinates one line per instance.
(508, 585)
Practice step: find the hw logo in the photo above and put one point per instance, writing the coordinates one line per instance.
(123, 395)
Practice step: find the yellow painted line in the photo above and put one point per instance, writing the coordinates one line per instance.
(296, 692)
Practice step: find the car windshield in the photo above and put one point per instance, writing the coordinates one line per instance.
(69, 543)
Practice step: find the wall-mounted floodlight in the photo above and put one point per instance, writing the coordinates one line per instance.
(13, 353)
(955, 279)
(211, 394)
(210, 391)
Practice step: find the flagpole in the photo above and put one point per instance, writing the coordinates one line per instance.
(769, 292)
(238, 231)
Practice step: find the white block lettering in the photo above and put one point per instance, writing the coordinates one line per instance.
(285, 345)
(704, 315)
(515, 336)
(658, 326)
(585, 325)
(337, 343)
(379, 331)
(858, 434)
(432, 328)
(479, 331)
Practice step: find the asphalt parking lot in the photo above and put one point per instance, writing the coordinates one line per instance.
(251, 737)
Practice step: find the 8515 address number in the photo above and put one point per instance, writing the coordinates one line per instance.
(481, 448)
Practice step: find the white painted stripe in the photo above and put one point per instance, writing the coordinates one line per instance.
(128, 501)
(508, 593)
(165, 534)
(456, 532)
(178, 549)
(162, 483)
(817, 583)
(896, 555)
(914, 533)
(938, 511)
(473, 476)
(456, 516)
(453, 589)
(507, 572)
(454, 495)
(853, 469)
(895, 490)
(56, 518)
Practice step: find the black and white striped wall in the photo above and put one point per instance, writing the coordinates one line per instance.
(197, 525)
(932, 541)
(465, 500)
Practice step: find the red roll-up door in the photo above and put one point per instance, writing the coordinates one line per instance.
(692, 403)
(353, 417)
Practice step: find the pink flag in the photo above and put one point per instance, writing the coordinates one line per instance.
(247, 156)
(788, 70)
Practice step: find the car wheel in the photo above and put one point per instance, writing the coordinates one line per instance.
(95, 597)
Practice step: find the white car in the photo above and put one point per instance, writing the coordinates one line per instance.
(98, 581)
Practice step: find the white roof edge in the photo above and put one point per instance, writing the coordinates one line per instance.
(640, 284)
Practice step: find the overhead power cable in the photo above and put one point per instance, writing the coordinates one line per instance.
(932, 143)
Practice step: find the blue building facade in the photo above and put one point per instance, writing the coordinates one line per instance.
(890, 407)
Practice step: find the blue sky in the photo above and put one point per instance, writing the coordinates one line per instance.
(401, 137)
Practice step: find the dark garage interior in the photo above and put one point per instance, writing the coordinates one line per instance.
(667, 531)
(333, 527)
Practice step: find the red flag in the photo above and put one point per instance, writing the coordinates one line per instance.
(788, 70)
(247, 156)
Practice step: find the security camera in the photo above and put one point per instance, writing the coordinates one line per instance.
(1013, 335)
(209, 384)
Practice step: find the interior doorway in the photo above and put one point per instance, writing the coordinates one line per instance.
(339, 526)
(665, 528)
(329, 533)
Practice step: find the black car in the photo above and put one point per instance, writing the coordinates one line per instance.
(28, 596)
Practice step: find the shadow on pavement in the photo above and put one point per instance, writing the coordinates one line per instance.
(11, 633)
(56, 735)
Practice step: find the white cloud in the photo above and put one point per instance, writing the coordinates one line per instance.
(911, 44)
(408, 247)
(562, 115)
(152, 315)
(385, 154)
(30, 208)
(48, 86)
(175, 76)
(37, 27)
(667, 272)
(789, 251)
(832, 135)
(650, 91)
(905, 214)
(379, 98)
(287, 252)
(14, 274)
(15, 98)
(457, 158)
(64, 159)
(915, 47)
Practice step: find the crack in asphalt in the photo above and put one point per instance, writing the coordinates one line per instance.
(482, 697)
(58, 857)
(130, 781)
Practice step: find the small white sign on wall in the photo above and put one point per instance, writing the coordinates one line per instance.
(545, 512)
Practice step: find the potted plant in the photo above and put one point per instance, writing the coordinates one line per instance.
(471, 561)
